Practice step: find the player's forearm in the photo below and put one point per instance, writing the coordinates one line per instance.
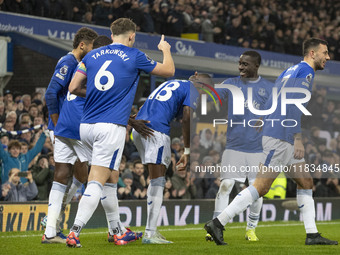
(54, 117)
(186, 126)
(51, 97)
(168, 65)
(80, 92)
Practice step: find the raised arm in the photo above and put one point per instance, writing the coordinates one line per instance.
(167, 67)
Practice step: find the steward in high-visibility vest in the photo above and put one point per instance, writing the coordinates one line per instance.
(278, 188)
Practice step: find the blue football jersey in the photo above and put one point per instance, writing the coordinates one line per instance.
(112, 78)
(70, 116)
(166, 102)
(298, 76)
(241, 136)
(58, 86)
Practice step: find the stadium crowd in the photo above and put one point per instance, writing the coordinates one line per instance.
(23, 112)
(279, 26)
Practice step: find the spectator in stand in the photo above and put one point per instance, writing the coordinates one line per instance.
(103, 14)
(14, 159)
(126, 191)
(4, 141)
(2, 112)
(148, 25)
(328, 116)
(157, 16)
(33, 111)
(139, 186)
(175, 20)
(183, 185)
(8, 101)
(135, 14)
(11, 118)
(78, 10)
(20, 192)
(168, 190)
(24, 147)
(43, 177)
(26, 100)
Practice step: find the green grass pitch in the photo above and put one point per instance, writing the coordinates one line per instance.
(275, 238)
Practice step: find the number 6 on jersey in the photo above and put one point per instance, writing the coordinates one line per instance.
(104, 73)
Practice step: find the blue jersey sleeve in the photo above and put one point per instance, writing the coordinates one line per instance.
(61, 79)
(143, 62)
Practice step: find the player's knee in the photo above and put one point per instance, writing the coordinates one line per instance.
(226, 186)
(263, 190)
(306, 183)
(62, 173)
(62, 177)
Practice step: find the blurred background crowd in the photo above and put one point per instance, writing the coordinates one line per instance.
(279, 26)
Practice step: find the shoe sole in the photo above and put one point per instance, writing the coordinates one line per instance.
(148, 241)
(53, 241)
(73, 245)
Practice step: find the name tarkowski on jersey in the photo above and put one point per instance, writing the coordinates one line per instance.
(117, 52)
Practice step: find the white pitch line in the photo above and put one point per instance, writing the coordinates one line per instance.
(188, 229)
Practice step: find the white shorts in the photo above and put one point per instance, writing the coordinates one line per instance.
(278, 153)
(67, 150)
(238, 165)
(155, 149)
(104, 143)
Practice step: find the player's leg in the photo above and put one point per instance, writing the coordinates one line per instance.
(305, 201)
(118, 234)
(253, 160)
(63, 172)
(263, 181)
(222, 196)
(229, 157)
(154, 203)
(80, 175)
(88, 203)
(107, 142)
(155, 153)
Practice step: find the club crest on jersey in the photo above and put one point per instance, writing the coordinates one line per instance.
(309, 78)
(262, 92)
(63, 70)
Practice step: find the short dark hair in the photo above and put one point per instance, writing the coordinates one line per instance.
(311, 43)
(14, 143)
(122, 26)
(100, 41)
(202, 77)
(137, 161)
(84, 34)
(254, 54)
